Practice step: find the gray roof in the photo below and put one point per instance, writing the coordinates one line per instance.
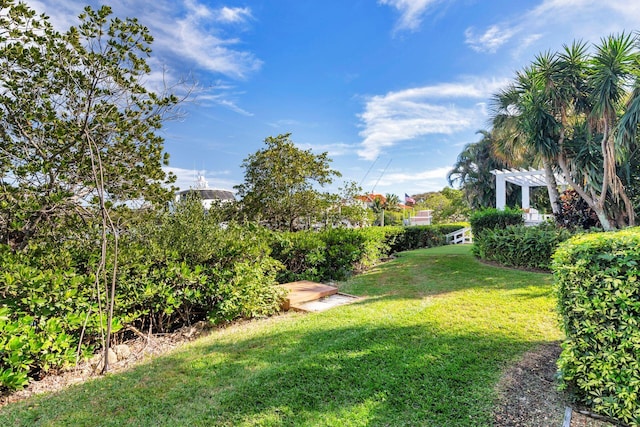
(209, 194)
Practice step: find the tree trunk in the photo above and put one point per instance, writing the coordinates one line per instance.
(598, 208)
(552, 187)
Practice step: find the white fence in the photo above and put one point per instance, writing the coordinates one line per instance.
(460, 237)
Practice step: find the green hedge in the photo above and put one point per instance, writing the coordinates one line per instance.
(520, 246)
(174, 268)
(598, 290)
(488, 219)
(338, 253)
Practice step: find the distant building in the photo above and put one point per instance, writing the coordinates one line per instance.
(369, 199)
(423, 217)
(206, 194)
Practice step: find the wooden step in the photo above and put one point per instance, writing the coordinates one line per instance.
(305, 291)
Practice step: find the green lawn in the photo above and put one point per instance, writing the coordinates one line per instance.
(425, 348)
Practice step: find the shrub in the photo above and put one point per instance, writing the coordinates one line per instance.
(42, 312)
(335, 254)
(575, 213)
(184, 266)
(418, 236)
(494, 218)
(520, 246)
(596, 278)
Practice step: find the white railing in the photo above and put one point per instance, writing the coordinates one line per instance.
(535, 218)
(460, 237)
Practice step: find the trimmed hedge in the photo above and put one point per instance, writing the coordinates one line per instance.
(598, 291)
(488, 219)
(520, 246)
(336, 254)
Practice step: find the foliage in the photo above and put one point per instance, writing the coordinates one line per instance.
(327, 255)
(185, 266)
(599, 299)
(448, 205)
(175, 268)
(72, 104)
(422, 236)
(574, 108)
(336, 254)
(520, 246)
(42, 313)
(278, 186)
(472, 172)
(432, 317)
(575, 213)
(494, 218)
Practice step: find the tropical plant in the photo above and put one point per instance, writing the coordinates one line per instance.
(472, 172)
(278, 187)
(574, 110)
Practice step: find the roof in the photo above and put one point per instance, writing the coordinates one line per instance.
(209, 194)
(371, 197)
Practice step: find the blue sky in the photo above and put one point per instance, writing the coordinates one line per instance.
(392, 89)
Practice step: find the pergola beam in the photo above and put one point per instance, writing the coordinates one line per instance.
(524, 178)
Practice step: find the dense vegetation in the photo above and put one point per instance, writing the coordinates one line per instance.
(175, 268)
(599, 299)
(520, 246)
(425, 347)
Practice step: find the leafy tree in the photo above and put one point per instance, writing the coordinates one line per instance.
(448, 205)
(278, 186)
(347, 210)
(78, 127)
(78, 133)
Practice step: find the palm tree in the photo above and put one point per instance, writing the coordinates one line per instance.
(392, 203)
(518, 118)
(472, 171)
(565, 108)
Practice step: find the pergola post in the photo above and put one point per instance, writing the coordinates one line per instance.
(501, 192)
(525, 197)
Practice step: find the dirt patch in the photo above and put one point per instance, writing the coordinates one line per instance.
(527, 391)
(141, 348)
(528, 395)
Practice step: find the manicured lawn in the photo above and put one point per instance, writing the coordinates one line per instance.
(424, 349)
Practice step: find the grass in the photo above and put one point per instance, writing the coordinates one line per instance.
(426, 347)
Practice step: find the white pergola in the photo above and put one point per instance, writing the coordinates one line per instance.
(523, 178)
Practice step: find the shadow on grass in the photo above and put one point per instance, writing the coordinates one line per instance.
(364, 375)
(371, 363)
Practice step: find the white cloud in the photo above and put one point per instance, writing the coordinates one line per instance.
(224, 99)
(587, 20)
(411, 12)
(184, 29)
(417, 182)
(234, 14)
(490, 40)
(411, 113)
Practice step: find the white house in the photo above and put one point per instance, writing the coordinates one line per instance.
(206, 194)
(423, 217)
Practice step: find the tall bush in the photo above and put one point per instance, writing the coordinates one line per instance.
(42, 313)
(596, 278)
(521, 246)
(494, 218)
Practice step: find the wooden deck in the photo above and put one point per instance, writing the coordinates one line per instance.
(305, 291)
